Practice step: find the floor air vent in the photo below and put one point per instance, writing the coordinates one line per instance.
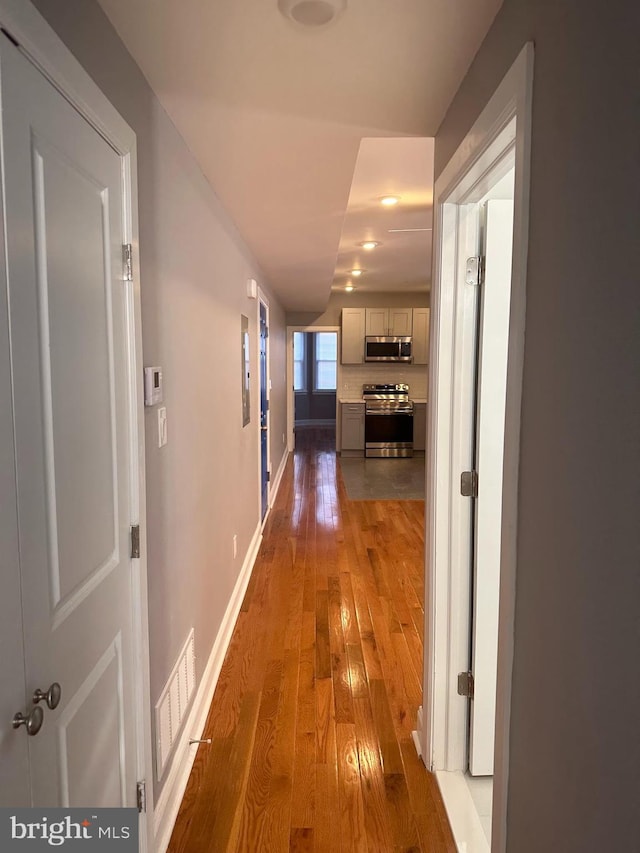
(172, 706)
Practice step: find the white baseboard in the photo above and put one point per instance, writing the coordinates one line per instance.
(168, 803)
(466, 827)
(416, 735)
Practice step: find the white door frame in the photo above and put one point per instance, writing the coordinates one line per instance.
(39, 43)
(263, 300)
(290, 394)
(499, 138)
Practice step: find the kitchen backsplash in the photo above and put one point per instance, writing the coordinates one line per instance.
(354, 376)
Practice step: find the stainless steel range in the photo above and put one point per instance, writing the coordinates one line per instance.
(388, 420)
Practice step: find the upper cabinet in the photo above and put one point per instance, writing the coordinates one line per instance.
(377, 321)
(388, 321)
(353, 333)
(420, 343)
(358, 322)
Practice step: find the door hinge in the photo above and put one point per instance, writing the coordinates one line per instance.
(465, 684)
(474, 272)
(141, 796)
(469, 484)
(268, 476)
(127, 257)
(135, 541)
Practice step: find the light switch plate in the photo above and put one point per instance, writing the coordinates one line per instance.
(162, 426)
(152, 386)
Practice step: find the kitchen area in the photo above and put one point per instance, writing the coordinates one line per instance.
(379, 308)
(382, 379)
(395, 425)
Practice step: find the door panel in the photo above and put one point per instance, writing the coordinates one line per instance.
(491, 395)
(77, 736)
(77, 370)
(64, 233)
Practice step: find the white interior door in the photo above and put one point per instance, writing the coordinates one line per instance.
(14, 757)
(63, 189)
(491, 395)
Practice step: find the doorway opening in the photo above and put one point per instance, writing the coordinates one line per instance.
(481, 209)
(314, 355)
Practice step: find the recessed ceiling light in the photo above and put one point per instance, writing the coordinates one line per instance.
(369, 244)
(312, 13)
(389, 200)
(357, 273)
(349, 288)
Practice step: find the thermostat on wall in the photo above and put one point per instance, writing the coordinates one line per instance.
(152, 385)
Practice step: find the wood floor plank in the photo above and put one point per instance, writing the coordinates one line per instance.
(306, 721)
(357, 671)
(377, 822)
(304, 781)
(256, 796)
(389, 748)
(348, 610)
(213, 822)
(353, 832)
(327, 836)
(312, 715)
(336, 636)
(323, 651)
(301, 841)
(403, 823)
(325, 719)
(426, 804)
(342, 687)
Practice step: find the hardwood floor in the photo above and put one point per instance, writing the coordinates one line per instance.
(312, 716)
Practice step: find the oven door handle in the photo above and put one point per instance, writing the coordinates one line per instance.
(378, 413)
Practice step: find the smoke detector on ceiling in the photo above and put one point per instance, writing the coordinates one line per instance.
(312, 13)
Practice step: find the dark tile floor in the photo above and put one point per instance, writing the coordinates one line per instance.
(384, 479)
(369, 479)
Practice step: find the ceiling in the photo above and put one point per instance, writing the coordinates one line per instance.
(275, 113)
(401, 167)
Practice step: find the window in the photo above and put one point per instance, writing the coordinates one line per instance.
(326, 357)
(299, 362)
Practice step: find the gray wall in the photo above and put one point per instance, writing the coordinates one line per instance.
(357, 299)
(574, 764)
(204, 485)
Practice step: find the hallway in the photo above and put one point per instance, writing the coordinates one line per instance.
(312, 717)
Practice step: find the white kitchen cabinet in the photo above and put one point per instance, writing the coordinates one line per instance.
(400, 321)
(419, 426)
(420, 345)
(352, 427)
(377, 321)
(353, 333)
(389, 321)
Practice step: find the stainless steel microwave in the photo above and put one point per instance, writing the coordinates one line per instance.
(387, 348)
